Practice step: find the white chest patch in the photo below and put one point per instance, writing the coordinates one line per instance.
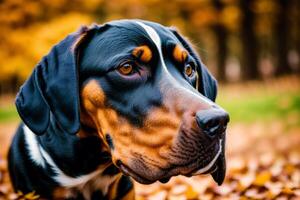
(39, 156)
(33, 147)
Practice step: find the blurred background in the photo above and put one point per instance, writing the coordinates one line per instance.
(252, 48)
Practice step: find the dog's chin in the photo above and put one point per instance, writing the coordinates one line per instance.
(216, 166)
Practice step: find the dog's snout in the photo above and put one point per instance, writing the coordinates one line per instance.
(212, 121)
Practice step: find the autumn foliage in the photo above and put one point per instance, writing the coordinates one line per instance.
(237, 39)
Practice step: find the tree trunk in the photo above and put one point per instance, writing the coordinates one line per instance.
(221, 37)
(282, 30)
(249, 62)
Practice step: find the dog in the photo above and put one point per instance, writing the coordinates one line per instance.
(129, 99)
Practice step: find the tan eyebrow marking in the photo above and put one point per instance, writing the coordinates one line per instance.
(143, 53)
(179, 53)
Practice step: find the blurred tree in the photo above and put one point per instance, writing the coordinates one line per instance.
(221, 37)
(249, 62)
(220, 28)
(282, 35)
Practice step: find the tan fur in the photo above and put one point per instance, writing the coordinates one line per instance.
(143, 53)
(179, 53)
(61, 193)
(129, 196)
(150, 143)
(157, 132)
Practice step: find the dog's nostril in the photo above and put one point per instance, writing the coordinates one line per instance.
(212, 121)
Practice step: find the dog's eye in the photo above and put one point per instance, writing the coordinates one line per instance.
(189, 69)
(126, 69)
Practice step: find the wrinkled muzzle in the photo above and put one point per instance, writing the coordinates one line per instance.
(190, 130)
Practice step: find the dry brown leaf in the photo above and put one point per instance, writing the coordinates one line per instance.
(224, 190)
(274, 189)
(289, 168)
(162, 195)
(145, 190)
(177, 197)
(178, 189)
(252, 164)
(245, 180)
(266, 159)
(199, 184)
(255, 194)
(295, 178)
(294, 158)
(236, 164)
(206, 196)
(287, 191)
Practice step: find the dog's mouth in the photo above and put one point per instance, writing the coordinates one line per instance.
(215, 166)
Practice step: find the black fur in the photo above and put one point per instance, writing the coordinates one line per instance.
(49, 104)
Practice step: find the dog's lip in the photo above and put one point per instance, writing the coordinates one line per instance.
(210, 167)
(217, 166)
(219, 174)
(129, 172)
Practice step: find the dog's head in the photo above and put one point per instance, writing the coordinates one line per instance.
(142, 88)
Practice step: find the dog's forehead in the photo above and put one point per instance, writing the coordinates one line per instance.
(138, 28)
(119, 40)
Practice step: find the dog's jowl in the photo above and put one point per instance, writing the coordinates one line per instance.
(110, 103)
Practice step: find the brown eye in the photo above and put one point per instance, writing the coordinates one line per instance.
(126, 69)
(189, 70)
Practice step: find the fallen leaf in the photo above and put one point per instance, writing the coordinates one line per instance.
(266, 159)
(158, 196)
(224, 190)
(206, 197)
(178, 189)
(177, 197)
(245, 180)
(262, 178)
(190, 193)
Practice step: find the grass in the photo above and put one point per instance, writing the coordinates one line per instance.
(246, 103)
(9, 113)
(262, 106)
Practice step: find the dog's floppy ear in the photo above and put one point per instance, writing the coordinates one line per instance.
(207, 84)
(52, 88)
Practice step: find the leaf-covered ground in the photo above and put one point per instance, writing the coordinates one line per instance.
(263, 151)
(262, 163)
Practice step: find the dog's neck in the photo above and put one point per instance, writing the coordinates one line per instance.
(78, 163)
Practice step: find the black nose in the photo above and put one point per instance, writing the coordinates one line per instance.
(212, 121)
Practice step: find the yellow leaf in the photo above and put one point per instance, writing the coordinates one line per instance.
(31, 196)
(190, 193)
(287, 191)
(262, 178)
